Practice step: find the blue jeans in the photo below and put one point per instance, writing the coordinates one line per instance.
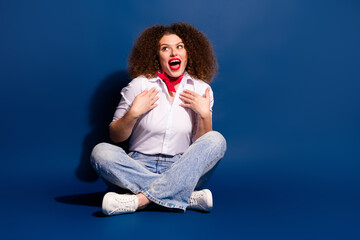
(165, 180)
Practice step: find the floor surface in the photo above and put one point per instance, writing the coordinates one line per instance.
(252, 205)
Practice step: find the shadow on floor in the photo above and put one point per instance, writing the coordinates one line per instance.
(86, 199)
(95, 200)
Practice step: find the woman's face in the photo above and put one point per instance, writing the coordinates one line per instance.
(172, 55)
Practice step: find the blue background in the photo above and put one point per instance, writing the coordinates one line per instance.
(286, 99)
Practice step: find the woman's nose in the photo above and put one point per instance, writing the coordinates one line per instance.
(173, 52)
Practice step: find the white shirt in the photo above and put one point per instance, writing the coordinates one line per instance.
(168, 128)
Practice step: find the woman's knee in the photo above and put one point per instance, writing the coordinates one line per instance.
(216, 139)
(100, 153)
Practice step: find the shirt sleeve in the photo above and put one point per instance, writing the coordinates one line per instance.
(128, 95)
(202, 93)
(211, 99)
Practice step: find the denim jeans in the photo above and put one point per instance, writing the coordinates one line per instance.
(165, 180)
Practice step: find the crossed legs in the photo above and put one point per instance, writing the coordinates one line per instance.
(171, 189)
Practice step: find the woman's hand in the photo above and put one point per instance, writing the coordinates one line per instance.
(144, 102)
(199, 104)
(121, 129)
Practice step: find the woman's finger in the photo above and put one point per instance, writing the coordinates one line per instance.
(153, 100)
(187, 95)
(185, 105)
(190, 92)
(153, 106)
(153, 93)
(143, 93)
(186, 99)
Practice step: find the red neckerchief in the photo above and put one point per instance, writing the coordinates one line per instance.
(170, 84)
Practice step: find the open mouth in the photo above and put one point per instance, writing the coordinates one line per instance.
(175, 63)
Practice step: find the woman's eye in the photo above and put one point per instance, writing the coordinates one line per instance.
(164, 49)
(180, 46)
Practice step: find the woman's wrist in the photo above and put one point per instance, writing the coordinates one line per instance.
(205, 115)
(133, 113)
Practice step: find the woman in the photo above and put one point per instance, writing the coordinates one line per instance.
(166, 111)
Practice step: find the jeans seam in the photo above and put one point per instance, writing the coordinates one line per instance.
(157, 165)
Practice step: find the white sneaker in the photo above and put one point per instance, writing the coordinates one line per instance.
(201, 200)
(114, 203)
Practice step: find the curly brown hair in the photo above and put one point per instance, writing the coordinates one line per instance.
(144, 60)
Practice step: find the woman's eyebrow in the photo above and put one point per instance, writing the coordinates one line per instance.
(170, 44)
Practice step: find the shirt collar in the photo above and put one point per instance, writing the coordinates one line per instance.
(185, 78)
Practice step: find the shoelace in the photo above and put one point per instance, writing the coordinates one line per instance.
(194, 198)
(126, 204)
